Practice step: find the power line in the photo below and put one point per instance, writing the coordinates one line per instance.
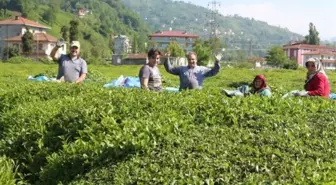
(212, 21)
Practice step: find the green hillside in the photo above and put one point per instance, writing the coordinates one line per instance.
(106, 18)
(163, 14)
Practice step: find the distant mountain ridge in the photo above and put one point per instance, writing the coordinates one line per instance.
(236, 31)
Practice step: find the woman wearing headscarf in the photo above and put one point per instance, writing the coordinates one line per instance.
(317, 83)
(259, 86)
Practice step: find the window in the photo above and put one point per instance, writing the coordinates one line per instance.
(294, 53)
(40, 47)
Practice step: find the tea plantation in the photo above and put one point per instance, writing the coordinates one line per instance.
(83, 134)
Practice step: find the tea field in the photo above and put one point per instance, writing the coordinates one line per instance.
(83, 134)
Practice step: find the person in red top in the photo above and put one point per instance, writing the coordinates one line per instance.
(317, 83)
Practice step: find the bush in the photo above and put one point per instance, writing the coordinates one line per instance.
(7, 172)
(95, 76)
(94, 61)
(19, 60)
(11, 51)
(45, 60)
(246, 65)
(291, 64)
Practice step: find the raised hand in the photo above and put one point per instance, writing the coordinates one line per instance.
(218, 57)
(60, 42)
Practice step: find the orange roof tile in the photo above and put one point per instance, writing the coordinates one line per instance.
(318, 52)
(137, 56)
(22, 21)
(41, 37)
(173, 34)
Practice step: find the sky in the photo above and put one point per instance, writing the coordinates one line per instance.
(292, 14)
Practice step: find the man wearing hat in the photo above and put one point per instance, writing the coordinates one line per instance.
(71, 66)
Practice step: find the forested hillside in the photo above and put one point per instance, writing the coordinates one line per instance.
(105, 19)
(237, 32)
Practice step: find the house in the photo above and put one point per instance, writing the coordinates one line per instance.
(121, 45)
(83, 12)
(162, 39)
(141, 59)
(11, 31)
(300, 51)
(135, 59)
(257, 61)
(328, 58)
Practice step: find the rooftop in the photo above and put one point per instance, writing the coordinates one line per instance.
(173, 34)
(319, 52)
(41, 37)
(17, 20)
(137, 56)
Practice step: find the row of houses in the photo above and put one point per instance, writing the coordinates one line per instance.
(11, 31)
(301, 52)
(159, 39)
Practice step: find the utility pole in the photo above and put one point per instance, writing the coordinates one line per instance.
(212, 18)
(250, 49)
(7, 41)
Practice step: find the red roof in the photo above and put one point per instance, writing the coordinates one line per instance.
(41, 37)
(173, 34)
(305, 46)
(137, 56)
(319, 52)
(22, 21)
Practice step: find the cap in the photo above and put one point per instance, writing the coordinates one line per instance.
(75, 43)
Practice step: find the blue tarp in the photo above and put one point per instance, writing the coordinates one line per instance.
(332, 96)
(129, 82)
(41, 79)
(132, 82)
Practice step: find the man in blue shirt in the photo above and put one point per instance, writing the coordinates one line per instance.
(192, 76)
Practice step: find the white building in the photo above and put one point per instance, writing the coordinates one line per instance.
(121, 45)
(12, 30)
(328, 58)
(162, 39)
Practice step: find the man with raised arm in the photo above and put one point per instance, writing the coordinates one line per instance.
(192, 75)
(71, 66)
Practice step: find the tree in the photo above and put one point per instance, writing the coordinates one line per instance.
(27, 42)
(11, 52)
(276, 56)
(203, 51)
(49, 16)
(291, 64)
(3, 6)
(135, 44)
(175, 50)
(216, 44)
(65, 32)
(73, 30)
(313, 37)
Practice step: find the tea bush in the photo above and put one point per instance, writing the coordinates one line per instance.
(60, 133)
